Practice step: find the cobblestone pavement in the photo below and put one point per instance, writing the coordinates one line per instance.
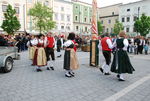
(23, 83)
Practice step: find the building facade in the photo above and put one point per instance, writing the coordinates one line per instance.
(19, 6)
(128, 14)
(82, 17)
(108, 16)
(29, 19)
(63, 16)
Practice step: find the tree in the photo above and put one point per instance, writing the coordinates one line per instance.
(118, 27)
(11, 23)
(42, 16)
(100, 28)
(142, 25)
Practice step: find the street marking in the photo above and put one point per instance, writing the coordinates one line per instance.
(118, 95)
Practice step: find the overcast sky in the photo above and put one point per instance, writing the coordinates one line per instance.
(102, 3)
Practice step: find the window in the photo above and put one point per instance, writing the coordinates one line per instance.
(128, 10)
(62, 27)
(46, 3)
(62, 17)
(111, 30)
(116, 20)
(76, 18)
(68, 18)
(68, 27)
(107, 30)
(86, 29)
(113, 13)
(102, 22)
(135, 18)
(134, 30)
(90, 19)
(85, 9)
(4, 8)
(109, 21)
(62, 8)
(29, 1)
(76, 7)
(128, 19)
(85, 19)
(56, 16)
(123, 20)
(77, 28)
(17, 10)
(127, 29)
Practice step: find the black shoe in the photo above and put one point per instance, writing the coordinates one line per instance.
(48, 68)
(121, 79)
(71, 73)
(107, 74)
(59, 56)
(32, 65)
(118, 76)
(52, 68)
(38, 70)
(69, 76)
(101, 69)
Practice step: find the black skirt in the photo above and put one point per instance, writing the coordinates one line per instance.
(67, 60)
(121, 63)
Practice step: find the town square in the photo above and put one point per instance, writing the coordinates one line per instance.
(76, 50)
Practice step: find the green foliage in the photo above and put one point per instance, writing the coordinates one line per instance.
(42, 16)
(142, 25)
(100, 28)
(11, 23)
(118, 27)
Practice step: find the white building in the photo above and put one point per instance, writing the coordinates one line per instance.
(20, 6)
(63, 16)
(130, 12)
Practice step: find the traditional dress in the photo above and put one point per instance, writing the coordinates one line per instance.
(121, 62)
(70, 58)
(40, 55)
(31, 45)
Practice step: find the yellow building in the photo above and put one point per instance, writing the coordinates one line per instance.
(30, 4)
(20, 6)
(108, 16)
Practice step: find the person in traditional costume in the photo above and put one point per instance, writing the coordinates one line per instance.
(107, 46)
(30, 45)
(59, 43)
(50, 51)
(121, 63)
(40, 55)
(70, 58)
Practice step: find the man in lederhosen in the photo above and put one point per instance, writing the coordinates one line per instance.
(107, 46)
(50, 51)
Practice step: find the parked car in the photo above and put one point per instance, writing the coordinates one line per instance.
(7, 57)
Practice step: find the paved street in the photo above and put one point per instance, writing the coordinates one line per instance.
(25, 84)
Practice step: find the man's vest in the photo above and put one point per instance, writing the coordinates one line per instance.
(104, 44)
(50, 42)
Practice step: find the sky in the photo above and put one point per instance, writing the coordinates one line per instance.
(103, 3)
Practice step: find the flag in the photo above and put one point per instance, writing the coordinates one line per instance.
(94, 17)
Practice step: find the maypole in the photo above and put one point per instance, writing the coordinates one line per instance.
(94, 51)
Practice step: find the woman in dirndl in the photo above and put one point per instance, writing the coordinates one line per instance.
(121, 63)
(40, 55)
(70, 58)
(31, 48)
